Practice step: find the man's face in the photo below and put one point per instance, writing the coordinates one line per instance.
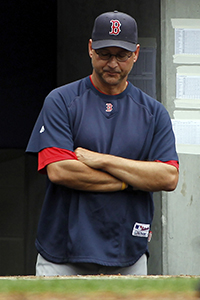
(111, 71)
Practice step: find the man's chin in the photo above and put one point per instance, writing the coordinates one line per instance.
(113, 79)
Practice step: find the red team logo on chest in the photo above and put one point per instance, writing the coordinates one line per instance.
(115, 27)
(109, 107)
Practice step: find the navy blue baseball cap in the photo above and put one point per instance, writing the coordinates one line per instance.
(115, 29)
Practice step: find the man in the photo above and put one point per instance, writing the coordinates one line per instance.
(105, 146)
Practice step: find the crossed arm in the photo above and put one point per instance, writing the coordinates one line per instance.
(99, 172)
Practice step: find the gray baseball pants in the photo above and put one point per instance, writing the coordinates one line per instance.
(46, 268)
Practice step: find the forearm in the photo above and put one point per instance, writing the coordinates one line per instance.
(142, 175)
(76, 175)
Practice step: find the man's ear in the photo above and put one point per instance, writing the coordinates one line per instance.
(137, 53)
(90, 48)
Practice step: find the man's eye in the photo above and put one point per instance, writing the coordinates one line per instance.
(104, 54)
(121, 55)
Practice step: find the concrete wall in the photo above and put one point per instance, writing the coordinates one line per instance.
(180, 209)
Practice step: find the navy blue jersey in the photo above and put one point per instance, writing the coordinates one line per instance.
(105, 228)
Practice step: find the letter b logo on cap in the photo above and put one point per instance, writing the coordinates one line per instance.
(115, 27)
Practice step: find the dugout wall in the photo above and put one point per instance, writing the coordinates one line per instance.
(28, 73)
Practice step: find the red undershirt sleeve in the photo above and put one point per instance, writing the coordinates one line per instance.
(53, 154)
(170, 162)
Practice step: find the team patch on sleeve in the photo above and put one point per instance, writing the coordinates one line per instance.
(141, 230)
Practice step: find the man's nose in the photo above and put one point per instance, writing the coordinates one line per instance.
(112, 61)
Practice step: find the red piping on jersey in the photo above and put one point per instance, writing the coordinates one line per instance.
(98, 89)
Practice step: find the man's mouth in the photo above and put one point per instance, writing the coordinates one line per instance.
(111, 72)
